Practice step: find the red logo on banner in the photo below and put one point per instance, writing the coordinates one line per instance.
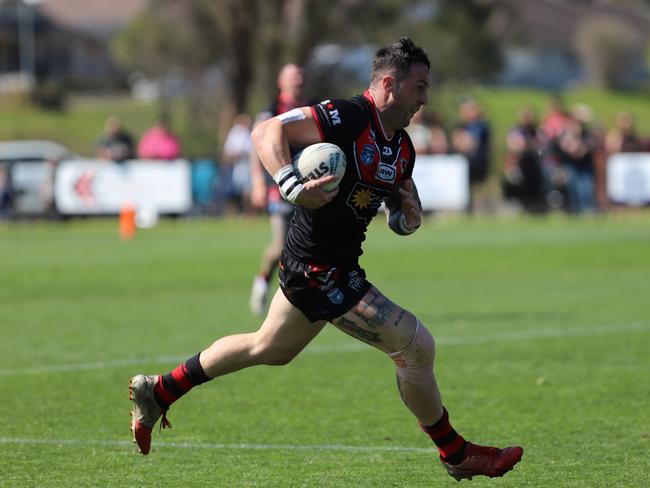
(83, 187)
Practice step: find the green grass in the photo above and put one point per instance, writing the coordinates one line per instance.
(543, 332)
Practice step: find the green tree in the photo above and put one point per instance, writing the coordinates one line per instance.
(251, 39)
(457, 37)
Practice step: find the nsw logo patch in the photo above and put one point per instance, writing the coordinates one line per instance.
(386, 172)
(368, 154)
(335, 296)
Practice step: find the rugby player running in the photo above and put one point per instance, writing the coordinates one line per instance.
(320, 278)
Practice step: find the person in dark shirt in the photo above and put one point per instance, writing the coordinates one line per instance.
(320, 277)
(116, 143)
(472, 139)
(523, 177)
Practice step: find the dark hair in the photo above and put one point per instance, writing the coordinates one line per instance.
(399, 56)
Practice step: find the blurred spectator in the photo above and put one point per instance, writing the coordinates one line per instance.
(556, 119)
(623, 136)
(576, 150)
(116, 143)
(5, 190)
(427, 133)
(420, 133)
(46, 190)
(158, 142)
(234, 182)
(523, 179)
(471, 138)
(439, 138)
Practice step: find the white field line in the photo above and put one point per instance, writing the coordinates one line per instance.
(497, 337)
(211, 445)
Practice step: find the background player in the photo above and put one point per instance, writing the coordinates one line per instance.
(265, 193)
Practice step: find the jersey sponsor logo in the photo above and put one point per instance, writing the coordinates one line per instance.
(334, 115)
(403, 164)
(387, 151)
(355, 281)
(368, 154)
(335, 296)
(385, 172)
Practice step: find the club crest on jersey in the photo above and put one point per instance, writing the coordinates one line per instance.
(386, 172)
(367, 154)
(364, 201)
(335, 296)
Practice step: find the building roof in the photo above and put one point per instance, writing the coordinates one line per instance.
(553, 23)
(98, 15)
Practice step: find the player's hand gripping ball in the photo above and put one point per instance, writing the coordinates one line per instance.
(320, 160)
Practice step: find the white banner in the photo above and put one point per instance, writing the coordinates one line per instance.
(93, 186)
(442, 182)
(628, 178)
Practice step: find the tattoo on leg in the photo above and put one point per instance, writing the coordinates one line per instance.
(378, 310)
(349, 327)
(399, 318)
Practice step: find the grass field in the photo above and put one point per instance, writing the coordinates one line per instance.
(543, 330)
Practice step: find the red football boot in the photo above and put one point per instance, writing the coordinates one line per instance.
(484, 461)
(145, 412)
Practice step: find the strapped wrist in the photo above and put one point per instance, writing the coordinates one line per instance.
(289, 184)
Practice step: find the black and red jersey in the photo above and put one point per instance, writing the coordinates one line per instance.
(376, 164)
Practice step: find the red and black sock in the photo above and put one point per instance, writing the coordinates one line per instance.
(183, 378)
(450, 444)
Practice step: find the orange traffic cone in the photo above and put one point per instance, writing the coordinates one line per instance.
(127, 222)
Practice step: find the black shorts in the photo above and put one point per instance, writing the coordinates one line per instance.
(320, 291)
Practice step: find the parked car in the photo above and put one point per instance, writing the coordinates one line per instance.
(27, 176)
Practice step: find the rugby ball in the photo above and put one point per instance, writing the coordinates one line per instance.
(319, 160)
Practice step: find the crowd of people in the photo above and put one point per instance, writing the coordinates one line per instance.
(553, 161)
(158, 142)
(559, 161)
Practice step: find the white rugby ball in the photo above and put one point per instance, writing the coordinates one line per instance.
(320, 160)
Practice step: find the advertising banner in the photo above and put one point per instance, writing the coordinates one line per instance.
(95, 187)
(442, 182)
(628, 179)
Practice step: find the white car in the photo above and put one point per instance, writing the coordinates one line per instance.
(27, 175)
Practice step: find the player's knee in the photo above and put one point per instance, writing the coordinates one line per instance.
(279, 358)
(415, 362)
(266, 351)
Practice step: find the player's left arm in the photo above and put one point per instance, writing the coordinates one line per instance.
(404, 209)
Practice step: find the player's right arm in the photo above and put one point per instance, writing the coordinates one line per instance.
(272, 139)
